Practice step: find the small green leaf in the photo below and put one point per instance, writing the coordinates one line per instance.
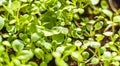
(108, 13)
(47, 45)
(6, 43)
(104, 4)
(77, 56)
(78, 43)
(107, 63)
(108, 33)
(76, 16)
(94, 44)
(95, 60)
(60, 49)
(114, 54)
(58, 5)
(81, 11)
(116, 63)
(64, 31)
(17, 45)
(25, 55)
(43, 64)
(39, 53)
(107, 55)
(89, 27)
(12, 21)
(98, 25)
(59, 38)
(113, 47)
(94, 2)
(17, 62)
(116, 19)
(85, 55)
(56, 54)
(15, 5)
(35, 37)
(99, 37)
(117, 58)
(33, 63)
(1, 23)
(48, 57)
(102, 50)
(69, 39)
(60, 62)
(47, 33)
(1, 48)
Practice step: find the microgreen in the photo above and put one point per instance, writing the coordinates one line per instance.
(59, 33)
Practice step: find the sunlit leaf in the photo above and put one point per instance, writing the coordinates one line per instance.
(116, 19)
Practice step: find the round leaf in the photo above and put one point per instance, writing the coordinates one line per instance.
(85, 55)
(48, 57)
(94, 2)
(39, 53)
(43, 64)
(98, 26)
(107, 55)
(17, 45)
(95, 60)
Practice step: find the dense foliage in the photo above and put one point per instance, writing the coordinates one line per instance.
(56, 32)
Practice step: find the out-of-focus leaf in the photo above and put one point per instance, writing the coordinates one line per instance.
(108, 13)
(43, 64)
(116, 19)
(17, 45)
(25, 55)
(99, 37)
(108, 33)
(77, 56)
(39, 53)
(33, 63)
(117, 58)
(49, 18)
(85, 55)
(59, 38)
(48, 57)
(95, 60)
(1, 23)
(35, 37)
(94, 2)
(60, 62)
(15, 5)
(1, 39)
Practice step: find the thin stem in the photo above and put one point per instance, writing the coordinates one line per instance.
(113, 27)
